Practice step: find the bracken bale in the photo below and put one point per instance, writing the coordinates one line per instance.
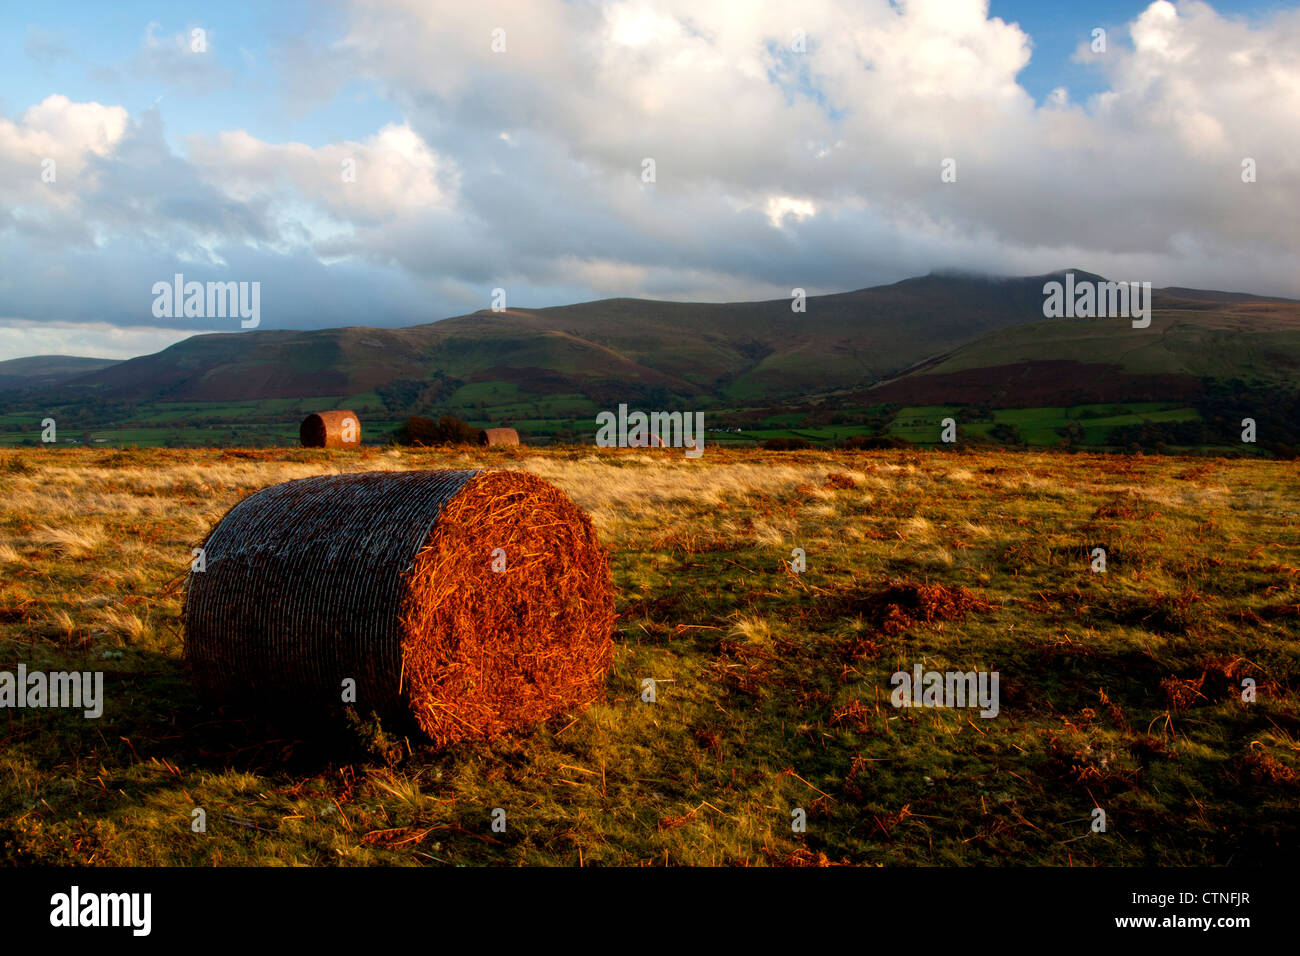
(498, 436)
(337, 429)
(476, 601)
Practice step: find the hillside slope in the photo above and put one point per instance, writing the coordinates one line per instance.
(936, 339)
(37, 371)
(1193, 336)
(683, 349)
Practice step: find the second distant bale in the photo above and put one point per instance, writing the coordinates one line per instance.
(339, 429)
(498, 436)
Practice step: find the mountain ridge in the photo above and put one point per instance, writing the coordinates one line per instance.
(44, 370)
(907, 340)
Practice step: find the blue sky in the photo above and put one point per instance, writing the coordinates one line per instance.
(1059, 26)
(81, 50)
(475, 169)
(89, 51)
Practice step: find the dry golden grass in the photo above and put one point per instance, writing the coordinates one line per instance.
(773, 683)
(72, 542)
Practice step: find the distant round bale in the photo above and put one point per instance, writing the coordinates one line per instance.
(498, 436)
(475, 601)
(338, 429)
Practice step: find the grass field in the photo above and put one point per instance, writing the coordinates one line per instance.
(540, 419)
(1120, 690)
(1038, 426)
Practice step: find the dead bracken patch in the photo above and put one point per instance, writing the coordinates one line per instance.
(837, 480)
(862, 648)
(707, 738)
(885, 822)
(1211, 680)
(1181, 693)
(905, 605)
(16, 613)
(691, 542)
(1086, 768)
(1258, 766)
(855, 715)
(800, 856)
(743, 667)
(1128, 508)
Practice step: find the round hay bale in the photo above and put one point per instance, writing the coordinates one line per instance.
(476, 601)
(338, 429)
(498, 436)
